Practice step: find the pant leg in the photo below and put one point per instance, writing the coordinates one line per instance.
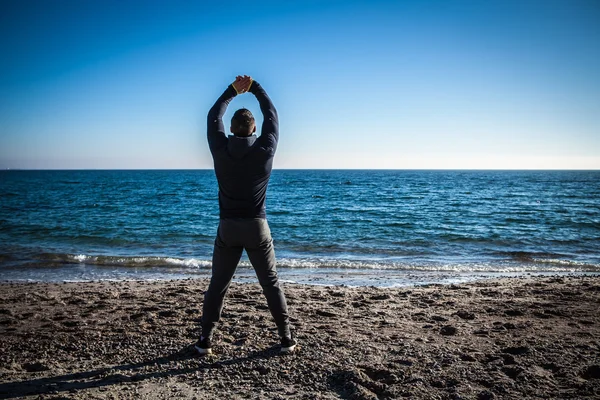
(226, 256)
(261, 253)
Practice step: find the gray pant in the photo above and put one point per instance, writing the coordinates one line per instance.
(233, 236)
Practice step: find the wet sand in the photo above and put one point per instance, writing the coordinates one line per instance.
(513, 338)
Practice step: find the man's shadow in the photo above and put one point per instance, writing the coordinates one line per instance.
(98, 378)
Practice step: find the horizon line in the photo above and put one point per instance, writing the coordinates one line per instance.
(305, 169)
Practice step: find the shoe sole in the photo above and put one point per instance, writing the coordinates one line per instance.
(286, 350)
(202, 351)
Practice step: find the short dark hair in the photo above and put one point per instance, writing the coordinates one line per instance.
(242, 122)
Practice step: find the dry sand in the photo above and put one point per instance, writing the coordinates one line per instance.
(504, 339)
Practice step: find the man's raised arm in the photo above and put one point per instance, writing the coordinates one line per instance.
(215, 128)
(269, 133)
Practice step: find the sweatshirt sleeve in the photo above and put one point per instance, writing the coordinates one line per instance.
(269, 134)
(215, 128)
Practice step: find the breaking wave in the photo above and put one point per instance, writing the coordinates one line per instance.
(513, 264)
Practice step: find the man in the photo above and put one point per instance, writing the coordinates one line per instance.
(243, 164)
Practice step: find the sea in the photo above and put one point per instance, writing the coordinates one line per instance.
(380, 228)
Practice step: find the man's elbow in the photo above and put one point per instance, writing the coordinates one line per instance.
(211, 116)
(273, 115)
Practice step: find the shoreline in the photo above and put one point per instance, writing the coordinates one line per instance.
(329, 277)
(530, 336)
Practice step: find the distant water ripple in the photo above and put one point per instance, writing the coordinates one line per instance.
(111, 224)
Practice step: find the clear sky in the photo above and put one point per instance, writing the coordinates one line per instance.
(358, 84)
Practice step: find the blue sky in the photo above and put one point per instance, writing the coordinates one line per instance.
(358, 84)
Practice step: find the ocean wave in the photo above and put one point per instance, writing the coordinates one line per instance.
(135, 261)
(571, 263)
(530, 256)
(522, 262)
(458, 267)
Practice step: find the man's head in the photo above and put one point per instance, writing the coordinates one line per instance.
(242, 123)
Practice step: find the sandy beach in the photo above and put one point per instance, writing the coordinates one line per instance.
(513, 338)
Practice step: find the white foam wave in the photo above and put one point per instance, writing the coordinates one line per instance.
(80, 257)
(321, 264)
(561, 262)
(503, 267)
(188, 262)
(138, 261)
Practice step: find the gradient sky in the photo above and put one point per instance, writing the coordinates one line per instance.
(358, 84)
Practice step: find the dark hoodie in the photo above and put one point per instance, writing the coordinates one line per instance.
(243, 164)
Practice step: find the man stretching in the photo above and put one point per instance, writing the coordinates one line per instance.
(243, 164)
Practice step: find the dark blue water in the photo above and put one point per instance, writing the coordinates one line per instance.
(353, 227)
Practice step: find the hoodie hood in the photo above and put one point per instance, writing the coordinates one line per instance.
(238, 147)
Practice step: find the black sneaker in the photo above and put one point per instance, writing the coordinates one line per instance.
(203, 346)
(288, 345)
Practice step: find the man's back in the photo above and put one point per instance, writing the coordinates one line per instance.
(243, 164)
